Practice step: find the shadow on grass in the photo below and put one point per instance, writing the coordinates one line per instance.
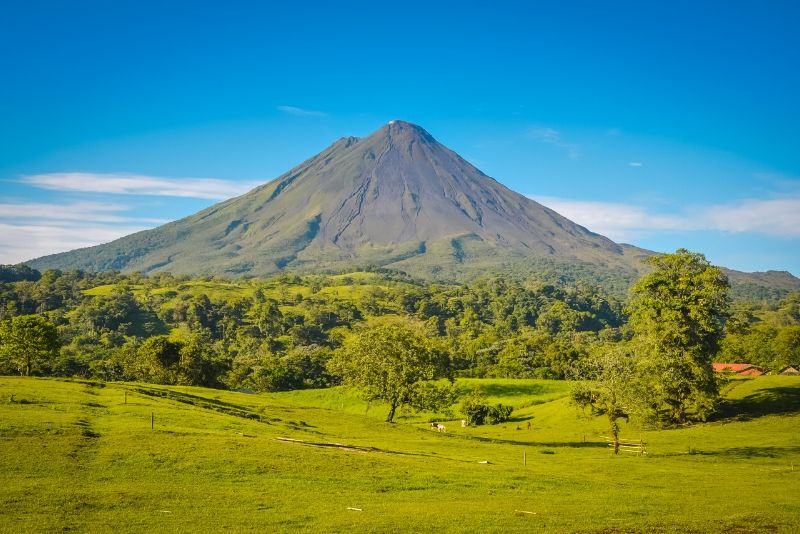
(86, 428)
(549, 444)
(364, 449)
(744, 452)
(205, 403)
(523, 418)
(770, 401)
(511, 390)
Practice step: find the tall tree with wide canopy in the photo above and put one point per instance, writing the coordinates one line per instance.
(389, 362)
(678, 314)
(28, 342)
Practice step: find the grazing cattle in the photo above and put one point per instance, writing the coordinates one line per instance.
(441, 428)
(434, 426)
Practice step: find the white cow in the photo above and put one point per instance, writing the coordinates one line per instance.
(441, 428)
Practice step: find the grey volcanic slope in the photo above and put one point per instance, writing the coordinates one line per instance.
(390, 196)
(397, 198)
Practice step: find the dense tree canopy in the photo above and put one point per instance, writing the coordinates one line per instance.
(282, 333)
(677, 314)
(388, 362)
(28, 344)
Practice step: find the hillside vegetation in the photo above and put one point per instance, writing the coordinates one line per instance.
(82, 456)
(278, 333)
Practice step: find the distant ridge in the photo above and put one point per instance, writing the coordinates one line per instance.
(397, 199)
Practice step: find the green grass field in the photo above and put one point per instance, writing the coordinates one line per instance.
(76, 456)
(351, 288)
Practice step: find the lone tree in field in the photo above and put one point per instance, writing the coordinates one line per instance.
(388, 362)
(611, 389)
(28, 342)
(678, 313)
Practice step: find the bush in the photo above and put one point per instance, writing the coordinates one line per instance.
(478, 412)
(498, 414)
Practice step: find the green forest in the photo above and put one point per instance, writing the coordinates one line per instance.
(285, 333)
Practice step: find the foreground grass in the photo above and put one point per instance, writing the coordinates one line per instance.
(77, 456)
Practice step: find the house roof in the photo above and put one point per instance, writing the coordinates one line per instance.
(733, 367)
(751, 371)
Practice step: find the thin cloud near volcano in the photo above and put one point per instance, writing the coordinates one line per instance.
(138, 184)
(777, 217)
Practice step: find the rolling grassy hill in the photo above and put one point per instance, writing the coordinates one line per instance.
(82, 456)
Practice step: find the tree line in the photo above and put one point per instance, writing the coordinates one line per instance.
(278, 334)
(292, 332)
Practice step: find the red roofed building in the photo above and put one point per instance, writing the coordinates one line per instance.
(741, 369)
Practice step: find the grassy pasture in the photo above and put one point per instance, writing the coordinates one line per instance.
(519, 393)
(76, 456)
(351, 288)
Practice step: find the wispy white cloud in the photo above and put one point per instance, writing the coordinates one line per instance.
(546, 134)
(137, 184)
(76, 211)
(300, 112)
(21, 242)
(33, 229)
(624, 222)
(617, 220)
(635, 164)
(551, 136)
(776, 217)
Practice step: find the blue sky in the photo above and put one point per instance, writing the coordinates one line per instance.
(667, 125)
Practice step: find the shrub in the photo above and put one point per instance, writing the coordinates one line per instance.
(478, 412)
(498, 414)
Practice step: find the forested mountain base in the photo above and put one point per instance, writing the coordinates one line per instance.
(279, 333)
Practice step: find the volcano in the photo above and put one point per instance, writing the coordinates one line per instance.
(397, 199)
